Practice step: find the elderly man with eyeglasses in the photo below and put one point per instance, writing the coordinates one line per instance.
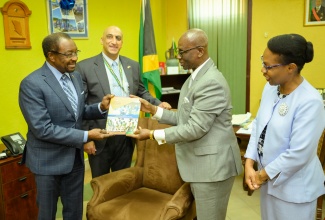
(52, 101)
(207, 152)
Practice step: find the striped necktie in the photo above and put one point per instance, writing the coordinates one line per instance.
(69, 93)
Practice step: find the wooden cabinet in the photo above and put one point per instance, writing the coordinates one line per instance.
(175, 81)
(17, 190)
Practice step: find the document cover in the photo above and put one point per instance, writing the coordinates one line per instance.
(123, 115)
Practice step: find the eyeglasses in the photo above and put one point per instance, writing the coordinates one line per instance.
(68, 55)
(181, 52)
(271, 66)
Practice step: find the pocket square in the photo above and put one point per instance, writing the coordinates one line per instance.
(82, 92)
(186, 100)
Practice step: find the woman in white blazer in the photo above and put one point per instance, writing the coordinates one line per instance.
(285, 134)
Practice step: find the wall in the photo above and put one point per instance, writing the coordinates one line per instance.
(18, 63)
(276, 17)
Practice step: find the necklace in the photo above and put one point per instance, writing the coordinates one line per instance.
(280, 95)
(283, 108)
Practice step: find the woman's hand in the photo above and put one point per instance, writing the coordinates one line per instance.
(251, 175)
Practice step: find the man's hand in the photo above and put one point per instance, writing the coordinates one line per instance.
(104, 105)
(141, 134)
(165, 105)
(90, 148)
(146, 106)
(98, 134)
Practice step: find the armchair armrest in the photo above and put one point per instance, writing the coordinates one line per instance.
(179, 204)
(115, 184)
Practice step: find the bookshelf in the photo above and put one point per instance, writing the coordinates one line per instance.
(176, 81)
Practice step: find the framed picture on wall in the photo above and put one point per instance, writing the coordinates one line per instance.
(314, 12)
(73, 22)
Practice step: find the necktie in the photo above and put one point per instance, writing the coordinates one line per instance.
(118, 91)
(69, 93)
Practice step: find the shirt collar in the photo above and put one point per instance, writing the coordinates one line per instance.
(110, 61)
(193, 75)
(57, 74)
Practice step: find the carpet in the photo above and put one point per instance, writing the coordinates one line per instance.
(88, 192)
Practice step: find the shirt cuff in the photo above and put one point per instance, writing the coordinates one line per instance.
(85, 136)
(158, 114)
(102, 112)
(160, 136)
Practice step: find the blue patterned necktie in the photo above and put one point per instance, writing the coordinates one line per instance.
(69, 93)
(117, 90)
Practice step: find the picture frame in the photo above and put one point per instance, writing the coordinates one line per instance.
(73, 22)
(311, 16)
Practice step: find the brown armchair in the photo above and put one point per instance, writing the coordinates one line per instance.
(321, 155)
(152, 189)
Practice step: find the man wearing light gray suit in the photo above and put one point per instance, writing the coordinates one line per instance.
(100, 78)
(52, 101)
(207, 152)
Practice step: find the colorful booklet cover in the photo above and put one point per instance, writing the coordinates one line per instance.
(123, 115)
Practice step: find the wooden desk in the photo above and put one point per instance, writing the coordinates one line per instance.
(243, 140)
(17, 190)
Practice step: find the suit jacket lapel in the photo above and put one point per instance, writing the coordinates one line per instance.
(202, 71)
(101, 73)
(50, 79)
(128, 73)
(184, 92)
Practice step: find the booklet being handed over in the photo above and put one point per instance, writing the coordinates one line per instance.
(123, 115)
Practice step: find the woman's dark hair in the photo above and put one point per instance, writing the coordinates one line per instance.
(51, 42)
(292, 48)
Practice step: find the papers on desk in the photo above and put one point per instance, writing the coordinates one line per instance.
(241, 118)
(246, 129)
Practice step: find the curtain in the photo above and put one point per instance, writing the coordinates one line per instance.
(225, 22)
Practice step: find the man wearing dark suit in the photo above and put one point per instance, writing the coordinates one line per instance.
(54, 148)
(207, 152)
(99, 78)
(318, 12)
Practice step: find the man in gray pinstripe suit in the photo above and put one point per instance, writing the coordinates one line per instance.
(54, 148)
(207, 152)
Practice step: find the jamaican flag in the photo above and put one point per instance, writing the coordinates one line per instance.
(148, 57)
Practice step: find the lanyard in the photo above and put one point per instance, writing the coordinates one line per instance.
(114, 75)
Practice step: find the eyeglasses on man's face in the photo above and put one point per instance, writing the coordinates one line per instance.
(271, 66)
(68, 55)
(181, 52)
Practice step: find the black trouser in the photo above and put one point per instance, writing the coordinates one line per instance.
(116, 155)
